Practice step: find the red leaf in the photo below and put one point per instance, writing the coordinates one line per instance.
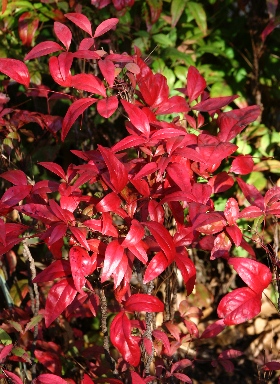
(271, 366)
(222, 245)
(156, 266)
(43, 49)
(160, 335)
(63, 33)
(39, 212)
(60, 68)
(221, 182)
(5, 352)
(16, 70)
(235, 234)
(135, 234)
(80, 235)
(27, 27)
(195, 84)
(231, 211)
(243, 164)
(50, 360)
(74, 111)
(188, 271)
(142, 302)
(105, 26)
(4, 5)
(107, 69)
(113, 256)
(214, 103)
(59, 268)
(107, 106)
(14, 378)
(230, 354)
(251, 193)
(137, 117)
(15, 177)
(136, 379)
(256, 275)
(163, 238)
(86, 379)
(240, 305)
(133, 68)
(15, 194)
(55, 168)
(251, 212)
(183, 377)
(48, 378)
(181, 364)
(81, 266)
(59, 297)
(117, 171)
(81, 21)
(131, 141)
(88, 82)
(213, 329)
(121, 338)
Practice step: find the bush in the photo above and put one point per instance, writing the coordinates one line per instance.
(105, 243)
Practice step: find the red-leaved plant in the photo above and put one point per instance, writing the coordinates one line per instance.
(150, 203)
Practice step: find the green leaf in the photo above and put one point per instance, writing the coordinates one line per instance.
(15, 325)
(20, 352)
(4, 337)
(177, 8)
(34, 321)
(199, 15)
(163, 40)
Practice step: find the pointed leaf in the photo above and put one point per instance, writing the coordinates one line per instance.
(251, 193)
(74, 111)
(135, 234)
(107, 69)
(243, 164)
(214, 103)
(136, 379)
(81, 266)
(156, 266)
(231, 211)
(235, 234)
(240, 305)
(59, 297)
(58, 69)
(213, 329)
(16, 70)
(188, 271)
(55, 168)
(48, 378)
(15, 177)
(81, 21)
(182, 377)
(142, 302)
(5, 352)
(137, 117)
(15, 194)
(121, 338)
(63, 33)
(88, 82)
(256, 275)
(177, 8)
(113, 256)
(195, 84)
(107, 106)
(105, 26)
(117, 171)
(251, 212)
(13, 377)
(43, 49)
(163, 238)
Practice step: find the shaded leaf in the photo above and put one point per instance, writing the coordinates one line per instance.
(59, 297)
(63, 33)
(107, 106)
(142, 302)
(74, 111)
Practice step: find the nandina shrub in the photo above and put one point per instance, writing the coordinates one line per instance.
(122, 222)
